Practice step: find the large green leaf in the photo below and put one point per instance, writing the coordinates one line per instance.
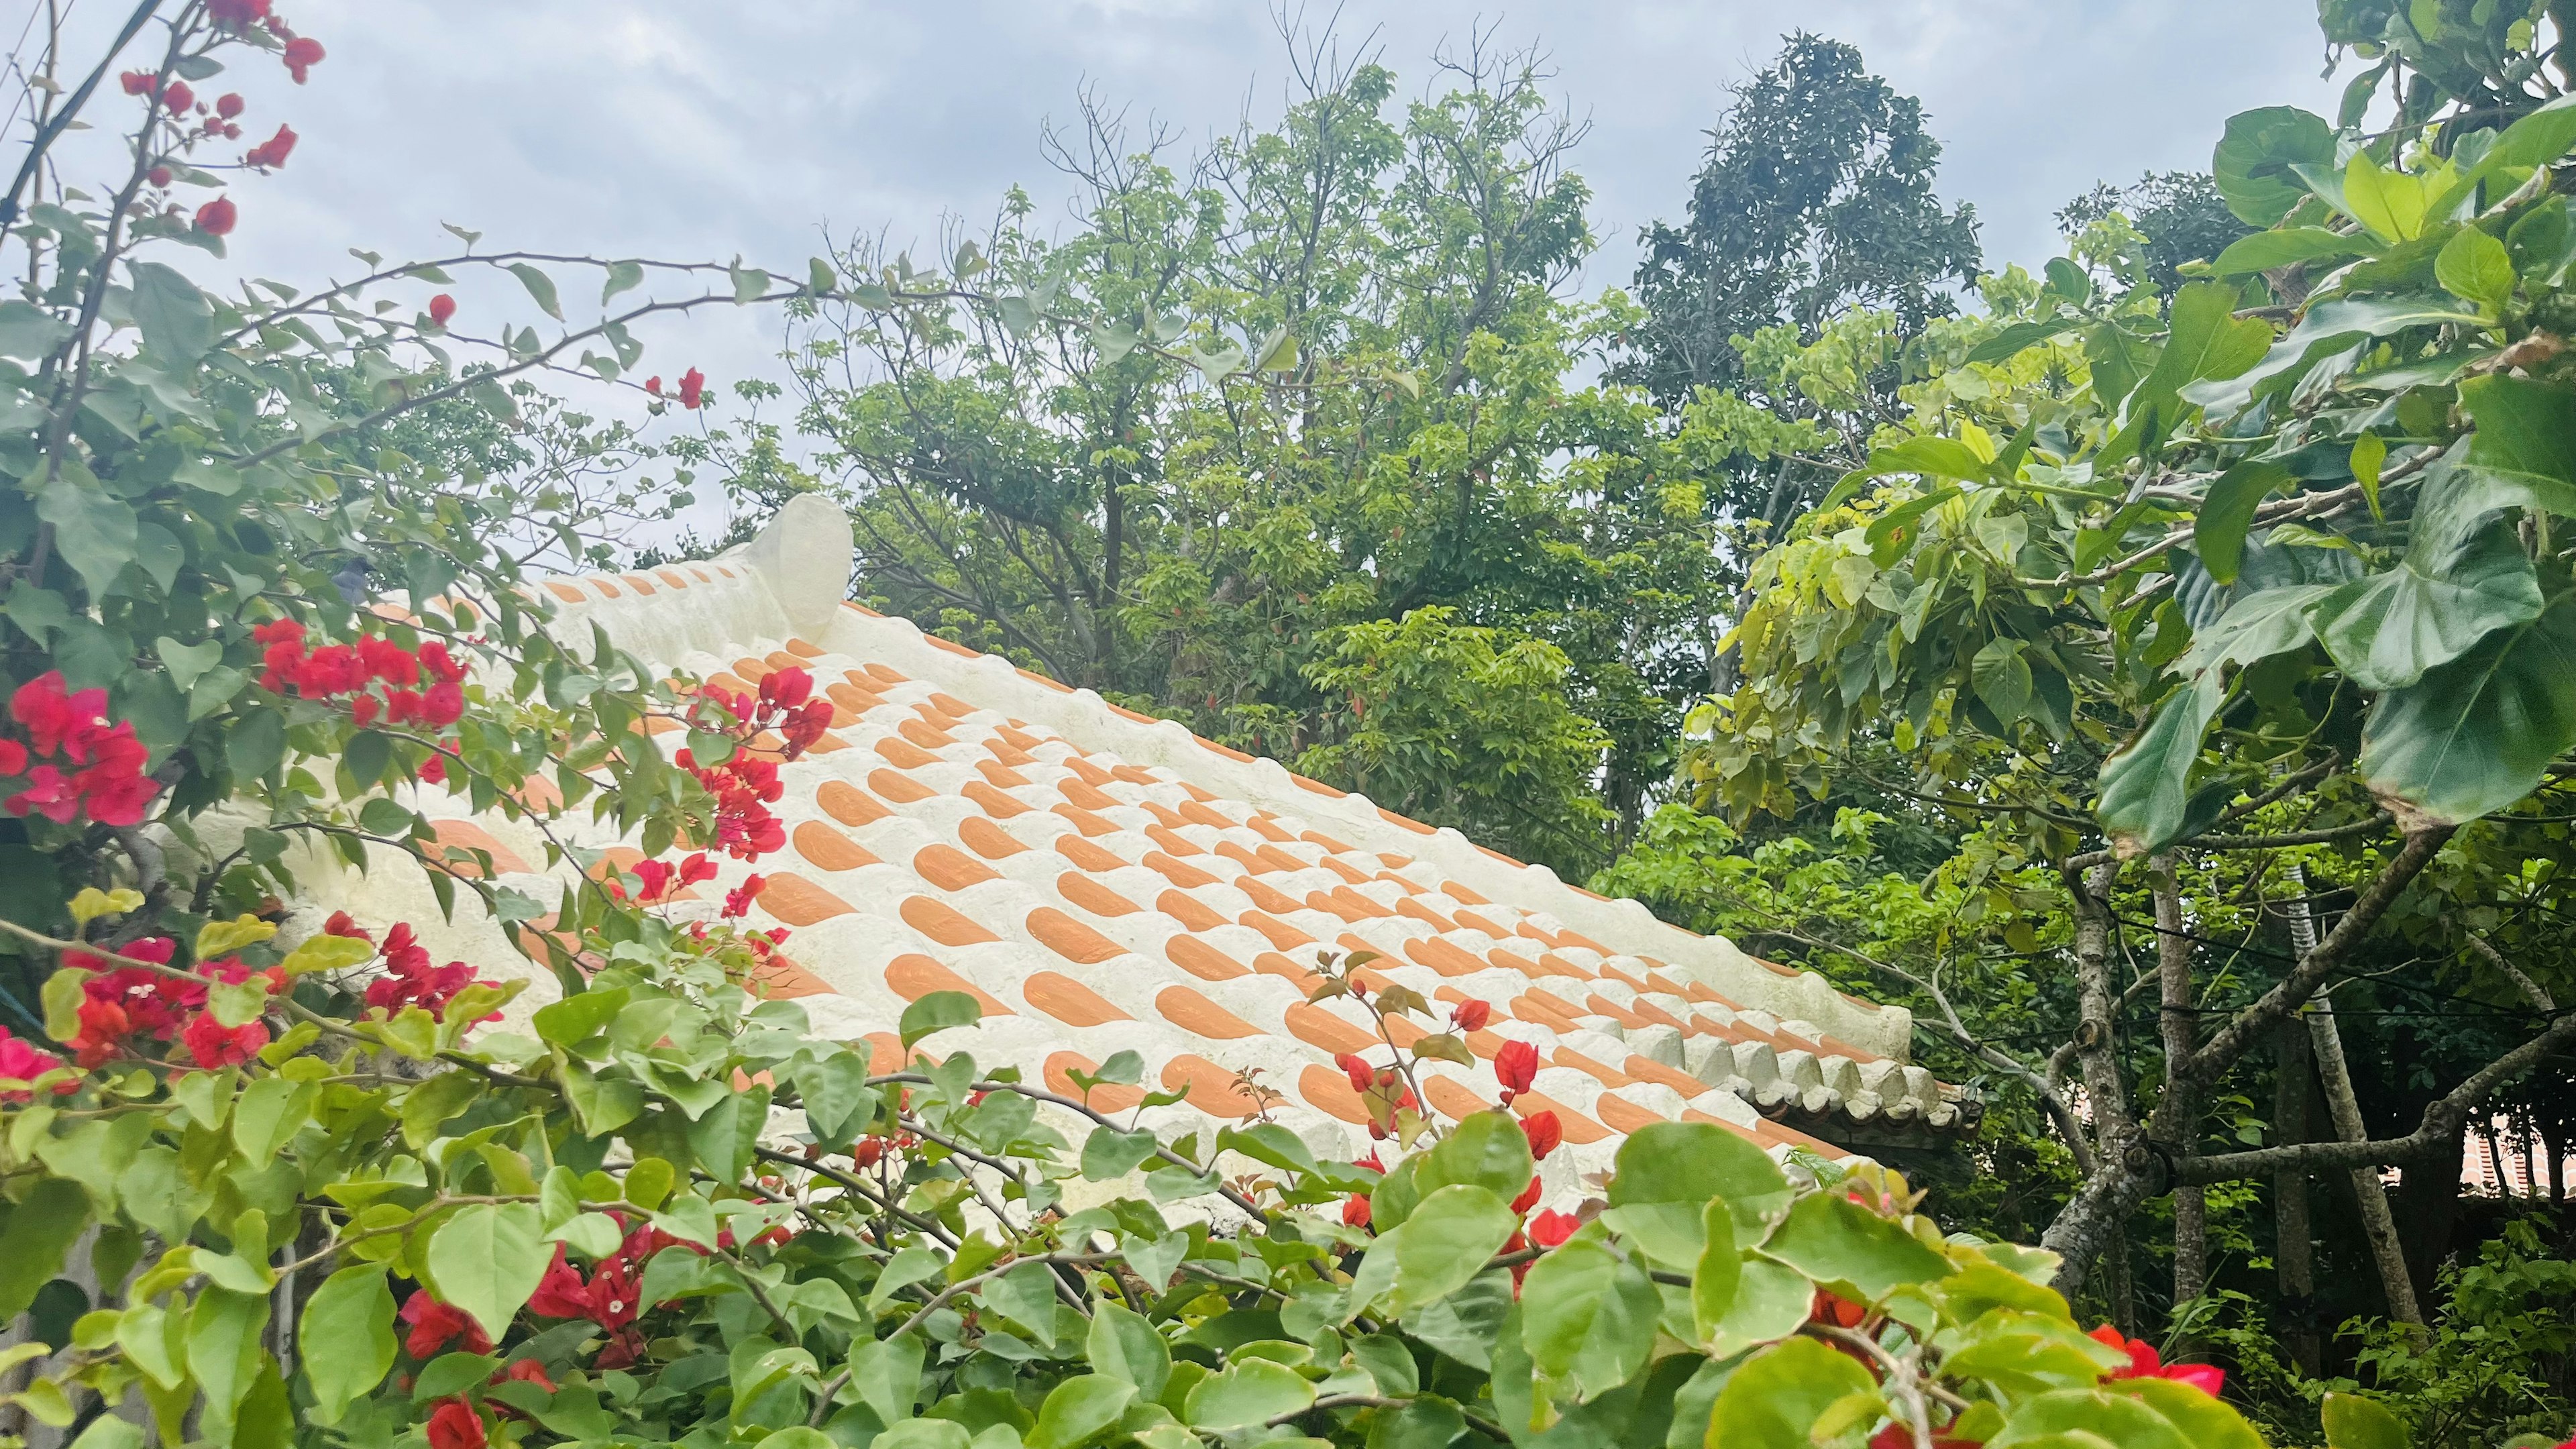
(177, 323)
(2227, 510)
(2256, 626)
(1719, 1272)
(2526, 431)
(1692, 1162)
(353, 1313)
(2265, 250)
(1487, 1150)
(1834, 1240)
(2463, 577)
(1588, 1316)
(2476, 734)
(2146, 787)
(2353, 1422)
(1248, 1394)
(1777, 1396)
(1446, 1241)
(2328, 327)
(1123, 1344)
(1771, 1300)
(487, 1259)
(41, 1230)
(94, 533)
(2205, 342)
(1079, 1409)
(2252, 162)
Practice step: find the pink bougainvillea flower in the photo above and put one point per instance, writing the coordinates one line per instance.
(302, 54)
(216, 217)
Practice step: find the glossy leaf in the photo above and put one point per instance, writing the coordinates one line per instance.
(2146, 787)
(487, 1259)
(353, 1313)
(2478, 733)
(1445, 1241)
(1775, 1399)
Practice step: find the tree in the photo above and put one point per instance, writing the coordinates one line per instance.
(2191, 601)
(1816, 198)
(1312, 380)
(2180, 213)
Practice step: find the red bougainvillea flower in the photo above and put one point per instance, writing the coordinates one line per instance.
(216, 217)
(1516, 1066)
(1355, 1210)
(237, 12)
(137, 82)
(302, 54)
(20, 1062)
(434, 770)
(653, 384)
(13, 758)
(2146, 1363)
(525, 1371)
(228, 105)
(1835, 1309)
(214, 1044)
(272, 153)
(434, 1325)
(1471, 1015)
(1362, 1075)
(737, 902)
(1901, 1436)
(454, 1424)
(441, 307)
(177, 96)
(693, 389)
(1551, 1227)
(1544, 1132)
(1528, 1198)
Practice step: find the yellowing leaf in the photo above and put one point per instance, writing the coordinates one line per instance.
(327, 953)
(222, 938)
(93, 903)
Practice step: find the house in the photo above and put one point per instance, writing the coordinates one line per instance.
(1103, 882)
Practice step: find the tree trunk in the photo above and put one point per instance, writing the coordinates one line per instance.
(2294, 1247)
(2367, 1190)
(2177, 1119)
(2123, 1166)
(2376, 1222)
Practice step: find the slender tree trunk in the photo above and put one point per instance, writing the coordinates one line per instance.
(2293, 1247)
(2367, 1190)
(2177, 1119)
(2376, 1222)
(2093, 1222)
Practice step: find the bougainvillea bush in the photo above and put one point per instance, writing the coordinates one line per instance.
(263, 1185)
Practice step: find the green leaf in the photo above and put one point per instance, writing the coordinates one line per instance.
(541, 287)
(2478, 733)
(1588, 1316)
(28, 333)
(2257, 626)
(2390, 203)
(1446, 1241)
(1720, 1271)
(1836, 1241)
(2328, 327)
(1109, 1154)
(94, 533)
(749, 283)
(487, 1260)
(224, 1347)
(2204, 342)
(1692, 1162)
(923, 1434)
(2353, 1422)
(1779, 1394)
(186, 662)
(2526, 431)
(352, 1313)
(1487, 1150)
(1250, 1394)
(2227, 511)
(1124, 1345)
(1077, 1410)
(1930, 456)
(2019, 337)
(2146, 787)
(622, 277)
(40, 1231)
(2464, 575)
(2001, 676)
(938, 1011)
(2473, 267)
(576, 1019)
(2369, 454)
(269, 1114)
(177, 323)
(2265, 250)
(2252, 162)
(887, 1374)
(838, 1100)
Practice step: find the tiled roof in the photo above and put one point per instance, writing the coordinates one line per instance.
(1103, 881)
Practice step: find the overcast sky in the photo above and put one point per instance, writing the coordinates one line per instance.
(697, 130)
